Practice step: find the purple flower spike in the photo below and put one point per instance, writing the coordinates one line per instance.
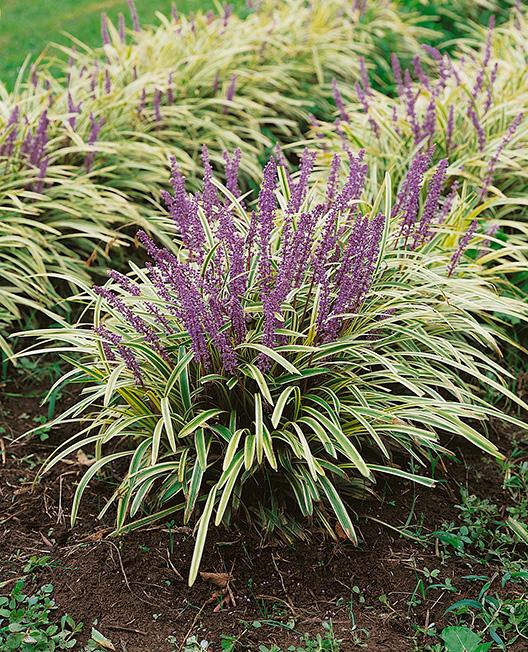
(11, 128)
(184, 212)
(410, 101)
(209, 194)
(485, 59)
(355, 273)
(34, 150)
(157, 106)
(228, 12)
(93, 79)
(134, 16)
(137, 323)
(481, 136)
(364, 103)
(267, 204)
(107, 82)
(109, 339)
(495, 158)
(462, 246)
(489, 89)
(365, 81)
(105, 334)
(360, 6)
(34, 77)
(95, 128)
(420, 73)
(355, 182)
(298, 191)
(429, 123)
(170, 90)
(133, 289)
(443, 72)
(232, 166)
(125, 282)
(431, 205)
(216, 83)
(73, 109)
(231, 89)
(179, 288)
(122, 28)
(339, 102)
(38, 186)
(397, 72)
(332, 178)
(407, 202)
(105, 36)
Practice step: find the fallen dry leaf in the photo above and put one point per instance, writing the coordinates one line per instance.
(83, 459)
(98, 535)
(47, 542)
(341, 534)
(218, 579)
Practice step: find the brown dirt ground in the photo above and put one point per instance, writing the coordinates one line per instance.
(133, 587)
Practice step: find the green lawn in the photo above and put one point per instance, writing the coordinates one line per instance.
(27, 26)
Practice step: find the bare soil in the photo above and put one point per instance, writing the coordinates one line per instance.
(135, 587)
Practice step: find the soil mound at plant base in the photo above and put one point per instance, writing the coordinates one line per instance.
(263, 592)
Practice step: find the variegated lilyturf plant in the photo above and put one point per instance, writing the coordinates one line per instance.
(285, 355)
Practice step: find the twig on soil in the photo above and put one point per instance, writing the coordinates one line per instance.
(46, 505)
(122, 628)
(9, 518)
(173, 568)
(189, 631)
(121, 565)
(401, 532)
(274, 598)
(288, 600)
(435, 603)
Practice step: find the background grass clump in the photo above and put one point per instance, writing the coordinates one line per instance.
(472, 108)
(85, 138)
(29, 28)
